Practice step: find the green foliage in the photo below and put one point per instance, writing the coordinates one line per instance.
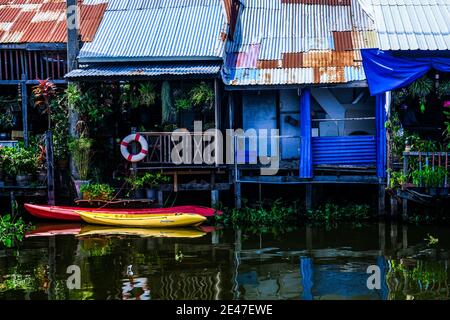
(60, 121)
(202, 95)
(97, 191)
(18, 161)
(182, 104)
(431, 241)
(148, 93)
(332, 213)
(7, 118)
(429, 176)
(148, 180)
(80, 149)
(418, 280)
(12, 230)
(421, 88)
(277, 214)
(397, 179)
(443, 89)
(397, 135)
(88, 106)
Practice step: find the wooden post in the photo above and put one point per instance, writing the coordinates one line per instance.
(394, 206)
(382, 237)
(50, 168)
(381, 199)
(73, 45)
(215, 238)
(309, 196)
(405, 236)
(309, 237)
(12, 199)
(394, 233)
(160, 198)
(24, 98)
(214, 191)
(72, 64)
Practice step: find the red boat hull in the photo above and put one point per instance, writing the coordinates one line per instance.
(70, 214)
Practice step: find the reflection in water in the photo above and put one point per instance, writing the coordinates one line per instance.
(311, 263)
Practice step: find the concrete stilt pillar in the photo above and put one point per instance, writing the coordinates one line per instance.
(237, 195)
(214, 198)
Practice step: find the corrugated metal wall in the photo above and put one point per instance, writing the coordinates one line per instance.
(351, 150)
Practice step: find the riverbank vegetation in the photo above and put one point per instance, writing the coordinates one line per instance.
(282, 215)
(12, 230)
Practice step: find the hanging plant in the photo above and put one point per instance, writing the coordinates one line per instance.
(202, 95)
(443, 89)
(182, 104)
(147, 94)
(420, 89)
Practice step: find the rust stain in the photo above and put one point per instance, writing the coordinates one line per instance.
(267, 64)
(223, 36)
(267, 77)
(342, 40)
(45, 21)
(293, 60)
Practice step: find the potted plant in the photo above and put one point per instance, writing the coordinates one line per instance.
(145, 186)
(80, 150)
(97, 191)
(23, 165)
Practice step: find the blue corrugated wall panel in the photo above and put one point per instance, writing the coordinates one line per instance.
(351, 150)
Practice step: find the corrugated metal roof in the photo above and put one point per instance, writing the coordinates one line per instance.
(146, 70)
(44, 21)
(155, 30)
(298, 42)
(413, 24)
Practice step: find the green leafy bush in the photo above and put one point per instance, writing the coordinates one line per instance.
(429, 176)
(12, 230)
(97, 191)
(332, 213)
(18, 161)
(148, 180)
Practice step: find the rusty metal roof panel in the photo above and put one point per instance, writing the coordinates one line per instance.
(44, 21)
(319, 39)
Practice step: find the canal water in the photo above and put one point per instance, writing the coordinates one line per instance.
(72, 261)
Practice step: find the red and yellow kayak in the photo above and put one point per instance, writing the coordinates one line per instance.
(72, 213)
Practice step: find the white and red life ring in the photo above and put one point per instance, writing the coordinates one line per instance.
(134, 157)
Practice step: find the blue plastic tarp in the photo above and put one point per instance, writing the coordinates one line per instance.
(385, 72)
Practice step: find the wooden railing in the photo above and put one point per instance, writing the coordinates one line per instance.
(432, 160)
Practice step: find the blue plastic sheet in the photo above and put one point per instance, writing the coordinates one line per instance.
(385, 72)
